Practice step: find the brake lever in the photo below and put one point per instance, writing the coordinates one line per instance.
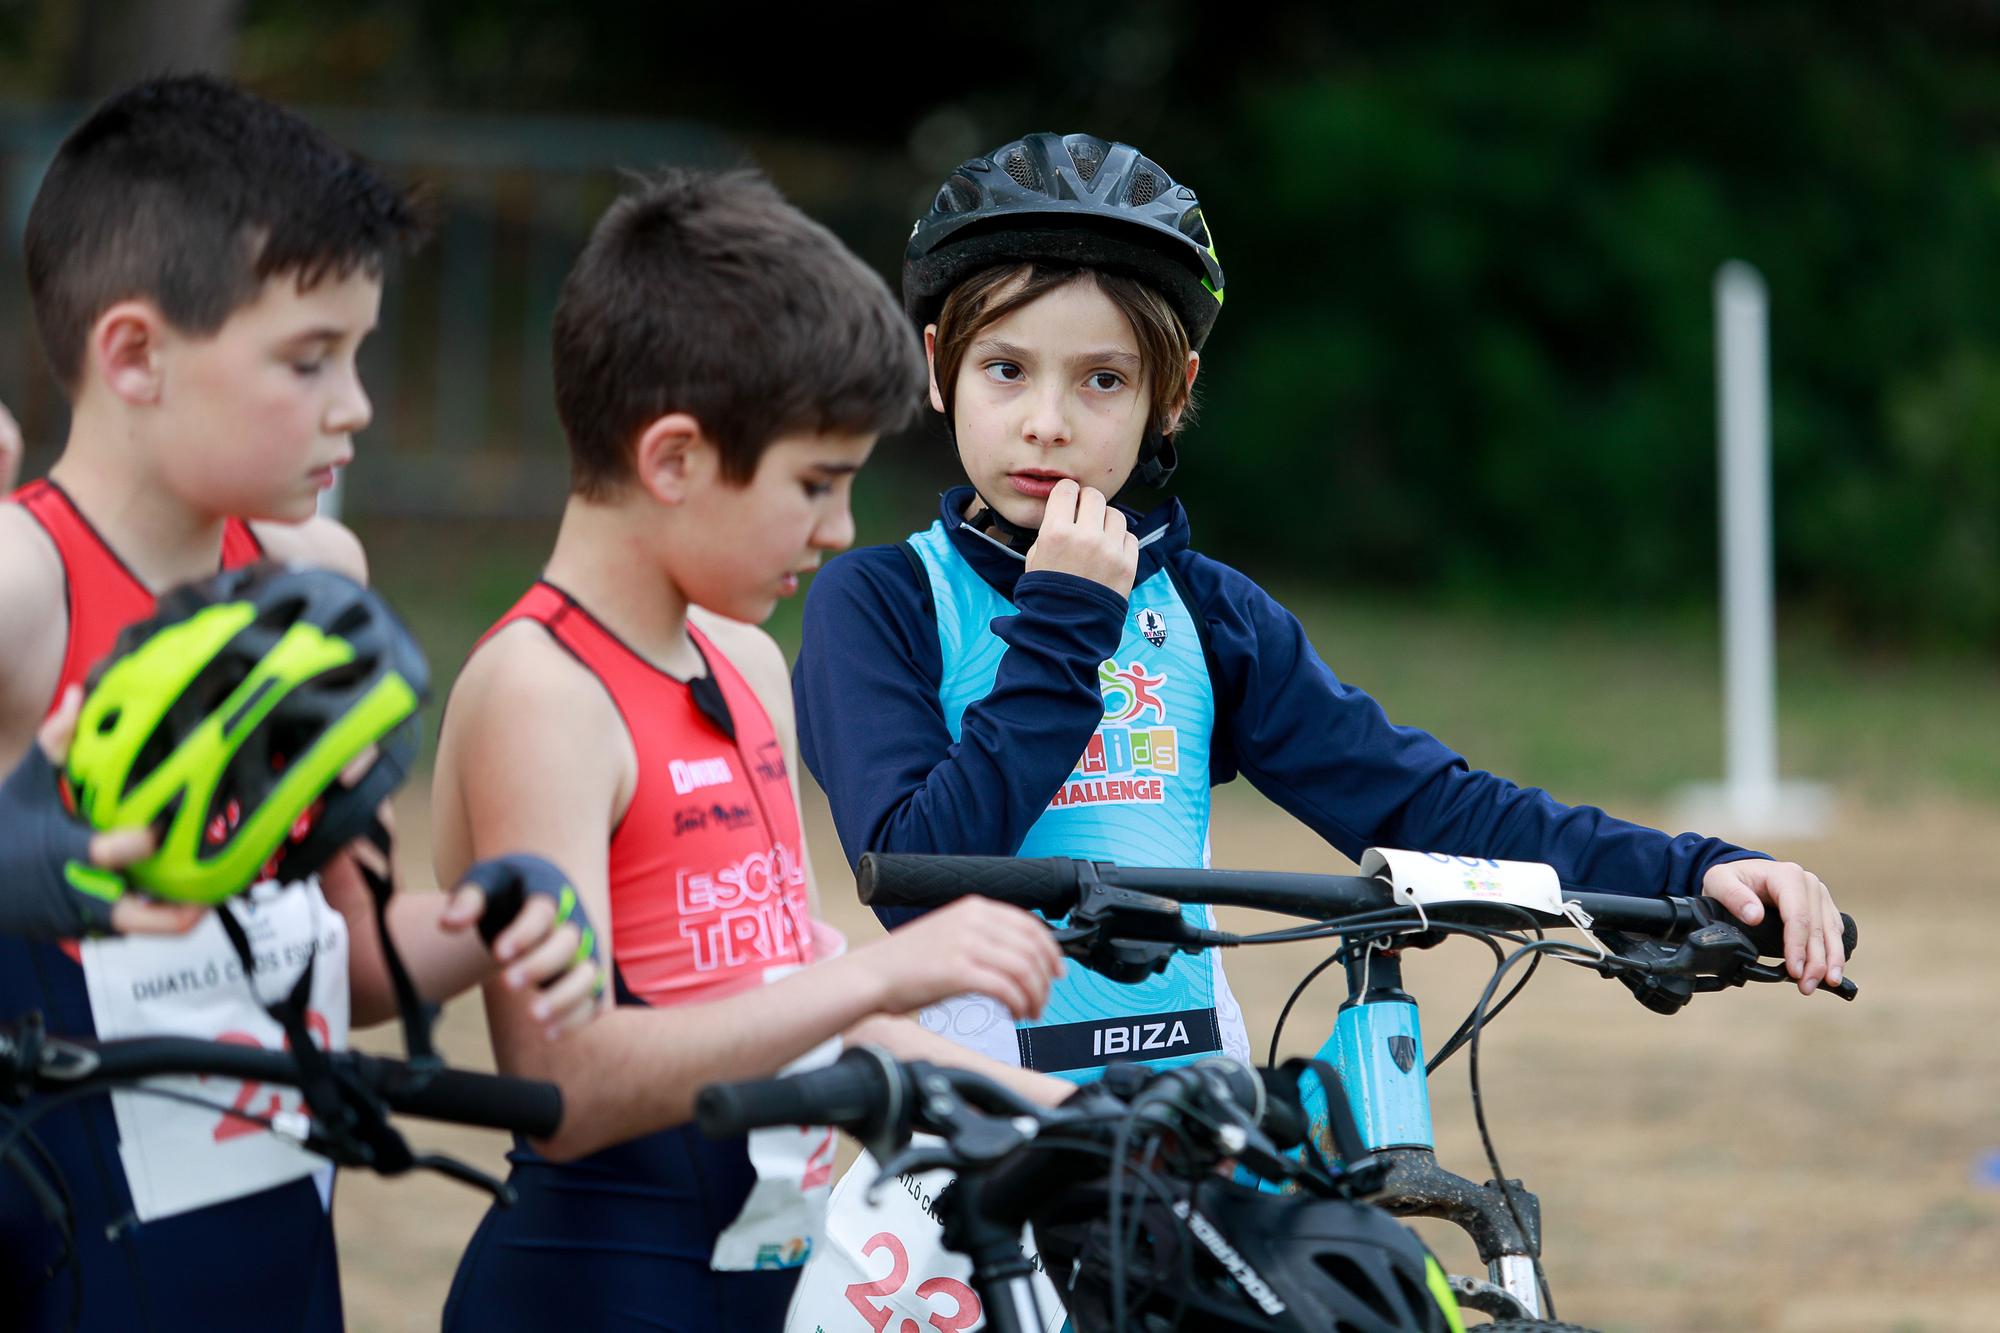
(912, 1159)
(973, 1141)
(1770, 972)
(503, 1193)
(1125, 934)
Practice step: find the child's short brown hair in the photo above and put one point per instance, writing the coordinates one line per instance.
(192, 193)
(708, 293)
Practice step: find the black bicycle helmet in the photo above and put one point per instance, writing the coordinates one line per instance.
(1073, 200)
(1223, 1256)
(225, 720)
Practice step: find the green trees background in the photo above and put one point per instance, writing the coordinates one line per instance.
(1471, 312)
(1468, 343)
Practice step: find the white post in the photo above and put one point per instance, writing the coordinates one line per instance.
(1743, 417)
(1751, 798)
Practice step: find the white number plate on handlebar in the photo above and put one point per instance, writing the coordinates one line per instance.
(1429, 878)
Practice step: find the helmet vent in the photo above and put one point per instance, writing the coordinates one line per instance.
(1145, 186)
(956, 196)
(1088, 158)
(1358, 1283)
(109, 722)
(1023, 171)
(351, 621)
(1414, 1296)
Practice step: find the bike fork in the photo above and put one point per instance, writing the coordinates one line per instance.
(1515, 1274)
(1011, 1305)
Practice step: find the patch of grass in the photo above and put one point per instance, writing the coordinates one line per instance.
(1629, 707)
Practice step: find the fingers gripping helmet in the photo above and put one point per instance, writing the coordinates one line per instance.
(1073, 200)
(224, 721)
(1224, 1256)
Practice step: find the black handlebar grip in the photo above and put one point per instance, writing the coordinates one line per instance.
(1768, 935)
(1044, 884)
(519, 1105)
(851, 1093)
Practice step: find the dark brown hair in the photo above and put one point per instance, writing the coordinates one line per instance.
(992, 294)
(707, 293)
(192, 193)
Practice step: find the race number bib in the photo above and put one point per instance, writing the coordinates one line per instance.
(178, 1156)
(883, 1267)
(794, 1164)
(787, 1205)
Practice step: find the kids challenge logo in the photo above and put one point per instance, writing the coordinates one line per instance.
(1127, 758)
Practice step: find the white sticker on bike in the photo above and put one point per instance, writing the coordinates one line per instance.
(1425, 879)
(177, 1156)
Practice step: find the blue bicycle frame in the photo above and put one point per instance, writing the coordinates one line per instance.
(1377, 1047)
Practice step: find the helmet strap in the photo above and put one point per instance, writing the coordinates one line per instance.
(990, 522)
(316, 1078)
(418, 1017)
(1157, 460)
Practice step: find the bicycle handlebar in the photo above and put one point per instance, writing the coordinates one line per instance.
(854, 1093)
(490, 1101)
(1051, 885)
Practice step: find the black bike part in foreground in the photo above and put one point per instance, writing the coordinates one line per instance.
(860, 1092)
(1052, 885)
(29, 1063)
(1018, 1164)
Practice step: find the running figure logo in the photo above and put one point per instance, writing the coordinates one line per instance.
(1129, 691)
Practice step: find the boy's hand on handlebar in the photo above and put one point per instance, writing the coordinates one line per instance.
(975, 944)
(1813, 950)
(1082, 534)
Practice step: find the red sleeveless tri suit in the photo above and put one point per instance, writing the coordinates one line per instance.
(707, 894)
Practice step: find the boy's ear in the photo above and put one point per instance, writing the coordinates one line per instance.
(124, 351)
(673, 455)
(930, 365)
(1187, 393)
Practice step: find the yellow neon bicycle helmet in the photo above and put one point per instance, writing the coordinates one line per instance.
(225, 720)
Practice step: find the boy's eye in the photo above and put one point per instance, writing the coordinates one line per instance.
(817, 489)
(307, 369)
(1106, 381)
(1006, 372)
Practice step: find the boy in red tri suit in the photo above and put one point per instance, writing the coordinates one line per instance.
(723, 366)
(203, 266)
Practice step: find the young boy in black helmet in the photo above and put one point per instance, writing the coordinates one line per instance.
(1049, 668)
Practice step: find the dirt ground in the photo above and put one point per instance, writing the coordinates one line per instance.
(1760, 1161)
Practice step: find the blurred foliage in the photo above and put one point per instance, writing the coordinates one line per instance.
(1471, 313)
(1469, 338)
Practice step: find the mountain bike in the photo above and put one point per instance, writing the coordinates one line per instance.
(1128, 923)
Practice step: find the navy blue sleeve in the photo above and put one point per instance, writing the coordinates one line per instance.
(1327, 753)
(872, 728)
